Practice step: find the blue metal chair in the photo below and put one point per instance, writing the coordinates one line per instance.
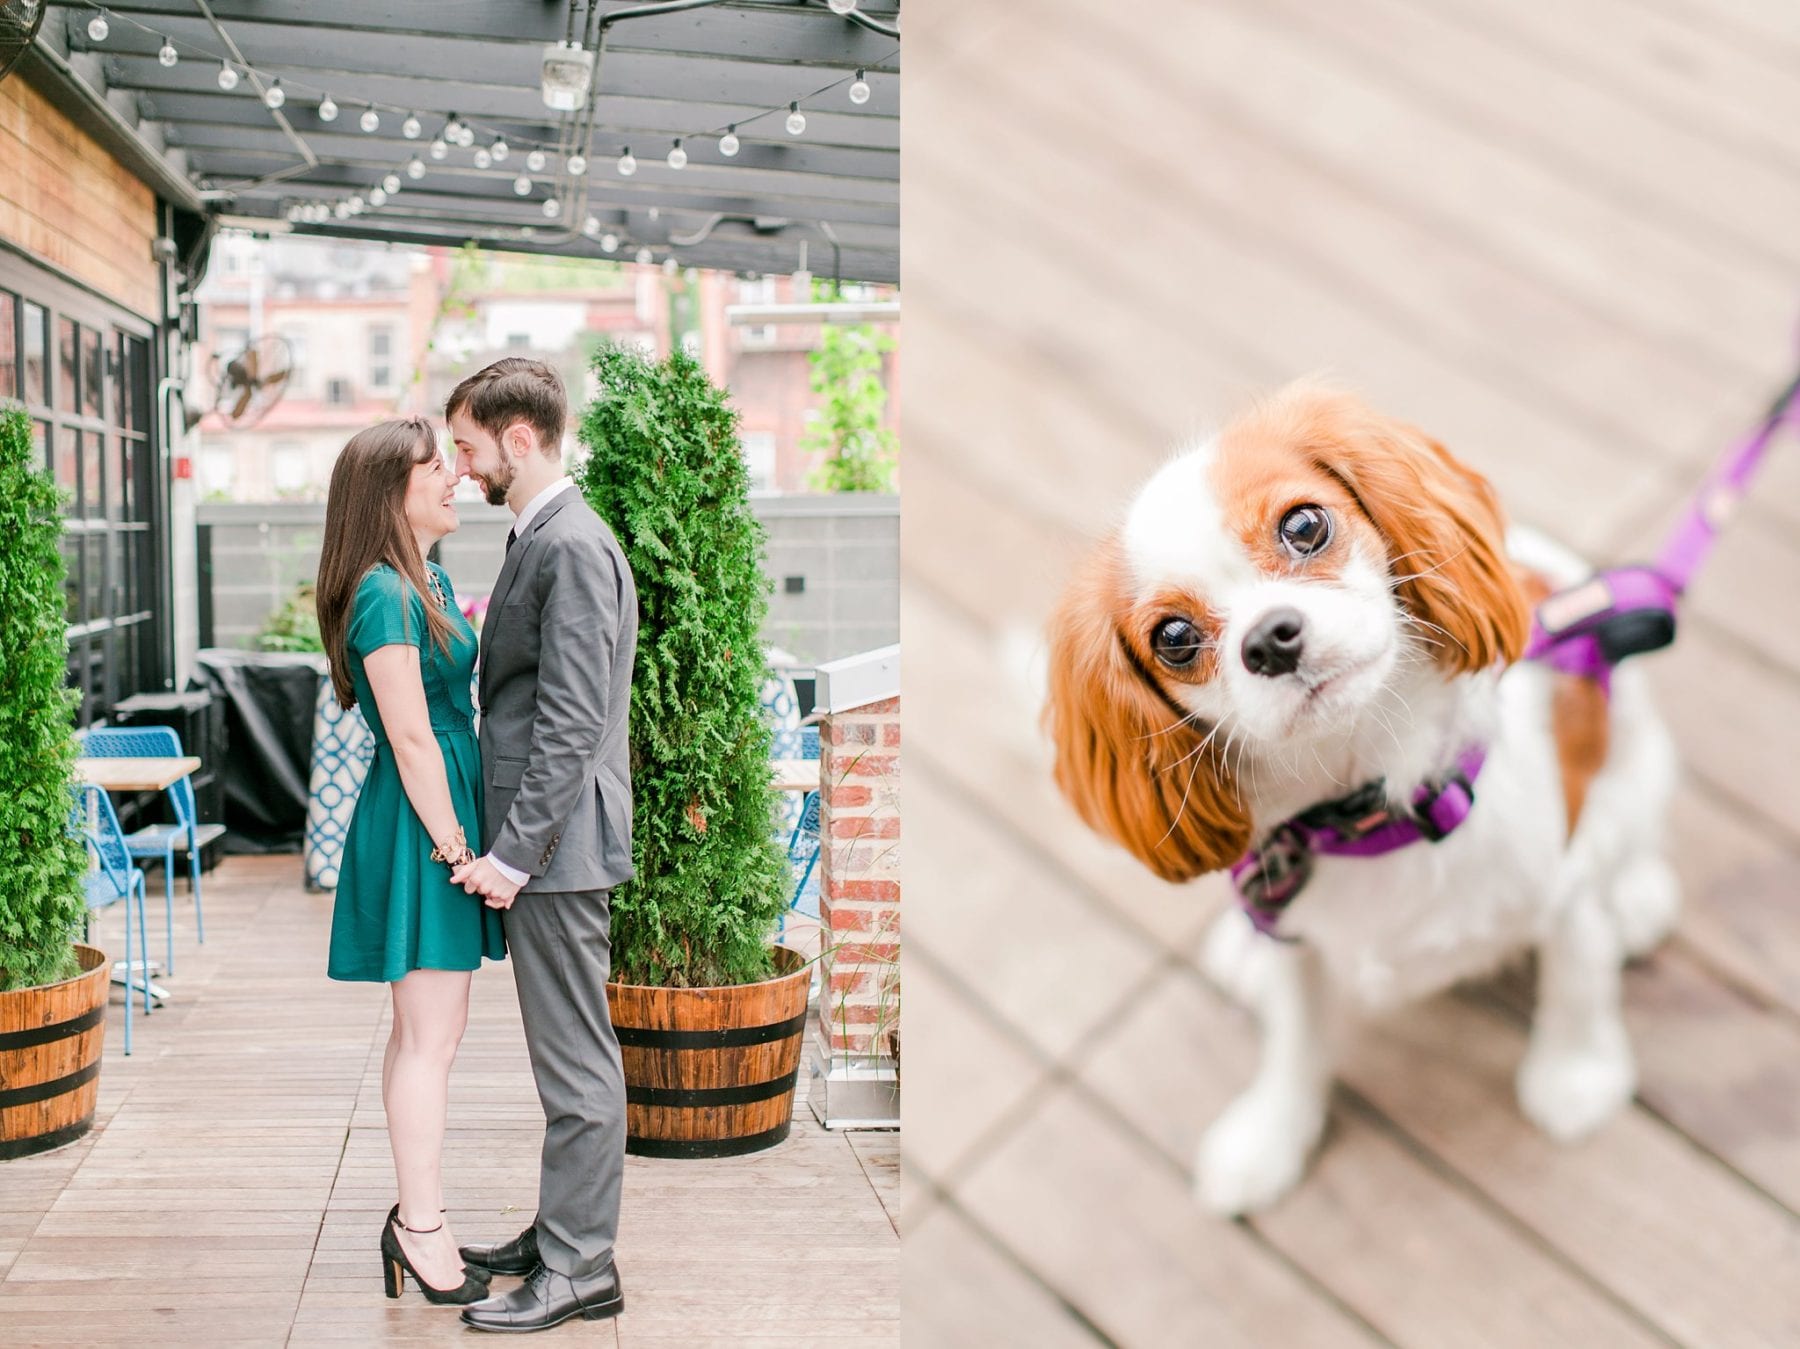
(117, 878)
(161, 842)
(803, 853)
(795, 742)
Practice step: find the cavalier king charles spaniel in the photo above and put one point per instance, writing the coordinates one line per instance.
(1319, 600)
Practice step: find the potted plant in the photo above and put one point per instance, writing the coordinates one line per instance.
(52, 991)
(709, 1014)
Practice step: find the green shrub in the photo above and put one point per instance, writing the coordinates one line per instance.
(664, 469)
(295, 625)
(41, 865)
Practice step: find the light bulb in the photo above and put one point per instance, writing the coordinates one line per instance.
(228, 78)
(728, 143)
(356, 205)
(609, 243)
(591, 226)
(415, 167)
(328, 110)
(522, 185)
(370, 121)
(377, 196)
(97, 27)
(483, 158)
(341, 210)
(274, 95)
(411, 127)
(535, 161)
(670, 266)
(439, 148)
(465, 136)
(552, 207)
(627, 165)
(499, 149)
(391, 183)
(293, 215)
(577, 165)
(796, 120)
(644, 257)
(677, 157)
(166, 55)
(840, 6)
(452, 128)
(859, 89)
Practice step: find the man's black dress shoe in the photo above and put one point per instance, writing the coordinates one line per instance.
(548, 1299)
(518, 1256)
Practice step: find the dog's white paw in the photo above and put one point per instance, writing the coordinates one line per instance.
(1569, 1093)
(1255, 1152)
(1646, 900)
(1235, 957)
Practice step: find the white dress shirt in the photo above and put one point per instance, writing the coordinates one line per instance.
(526, 515)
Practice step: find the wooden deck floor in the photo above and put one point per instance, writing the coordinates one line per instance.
(1566, 240)
(235, 1184)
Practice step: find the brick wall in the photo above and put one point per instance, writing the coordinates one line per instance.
(859, 887)
(67, 201)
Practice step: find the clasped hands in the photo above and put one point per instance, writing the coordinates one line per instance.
(479, 876)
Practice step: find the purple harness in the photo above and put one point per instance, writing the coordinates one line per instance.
(1585, 631)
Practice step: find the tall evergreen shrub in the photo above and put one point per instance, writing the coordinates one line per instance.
(41, 866)
(664, 469)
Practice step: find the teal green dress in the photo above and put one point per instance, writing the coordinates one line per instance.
(396, 909)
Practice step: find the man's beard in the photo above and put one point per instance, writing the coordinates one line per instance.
(497, 485)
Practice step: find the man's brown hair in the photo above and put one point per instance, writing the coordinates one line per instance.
(515, 389)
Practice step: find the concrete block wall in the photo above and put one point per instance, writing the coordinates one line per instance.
(834, 563)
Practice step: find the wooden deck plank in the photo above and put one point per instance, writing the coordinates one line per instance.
(960, 1293)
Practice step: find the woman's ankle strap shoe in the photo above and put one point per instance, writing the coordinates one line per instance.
(395, 1266)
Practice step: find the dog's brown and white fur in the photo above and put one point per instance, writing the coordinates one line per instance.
(1402, 615)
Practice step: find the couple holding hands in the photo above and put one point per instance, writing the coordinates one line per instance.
(462, 849)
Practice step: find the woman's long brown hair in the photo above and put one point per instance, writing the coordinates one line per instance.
(365, 524)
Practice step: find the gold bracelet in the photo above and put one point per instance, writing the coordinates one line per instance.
(455, 854)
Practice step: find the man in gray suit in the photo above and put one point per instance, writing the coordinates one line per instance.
(557, 649)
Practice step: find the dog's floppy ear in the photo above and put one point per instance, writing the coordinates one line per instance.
(1133, 768)
(1443, 524)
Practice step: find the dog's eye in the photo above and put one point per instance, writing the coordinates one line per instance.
(1176, 642)
(1305, 530)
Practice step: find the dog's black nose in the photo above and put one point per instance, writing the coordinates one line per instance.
(1273, 646)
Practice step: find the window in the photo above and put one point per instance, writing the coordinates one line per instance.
(84, 370)
(218, 469)
(228, 342)
(290, 468)
(296, 342)
(381, 358)
(522, 341)
(337, 392)
(759, 459)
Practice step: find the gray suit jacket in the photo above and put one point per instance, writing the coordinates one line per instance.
(557, 649)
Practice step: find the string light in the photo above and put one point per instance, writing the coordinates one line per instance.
(609, 242)
(377, 197)
(228, 78)
(728, 143)
(483, 159)
(97, 27)
(577, 165)
(859, 88)
(591, 226)
(796, 120)
(370, 121)
(452, 128)
(552, 207)
(677, 156)
(670, 266)
(166, 55)
(411, 127)
(840, 6)
(328, 110)
(522, 185)
(439, 149)
(415, 167)
(535, 161)
(391, 183)
(645, 257)
(342, 210)
(356, 205)
(499, 149)
(273, 95)
(627, 165)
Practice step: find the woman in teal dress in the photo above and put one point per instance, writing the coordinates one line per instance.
(400, 649)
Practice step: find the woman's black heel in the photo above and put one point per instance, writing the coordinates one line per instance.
(395, 1266)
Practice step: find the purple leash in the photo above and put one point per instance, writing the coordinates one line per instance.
(1585, 631)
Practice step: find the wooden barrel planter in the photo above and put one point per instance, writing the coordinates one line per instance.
(50, 1039)
(710, 1072)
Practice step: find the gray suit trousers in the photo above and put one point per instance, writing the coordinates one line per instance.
(562, 955)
